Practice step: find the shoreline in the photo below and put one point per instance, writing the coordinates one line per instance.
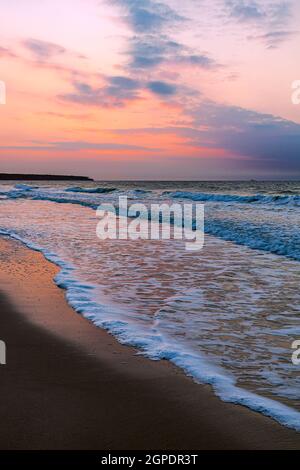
(70, 385)
(42, 177)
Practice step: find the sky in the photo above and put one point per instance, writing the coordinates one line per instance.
(150, 89)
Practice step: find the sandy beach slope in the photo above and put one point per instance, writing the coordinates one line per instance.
(69, 385)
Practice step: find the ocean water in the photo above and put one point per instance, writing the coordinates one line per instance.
(227, 315)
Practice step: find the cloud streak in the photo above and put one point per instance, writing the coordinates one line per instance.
(150, 51)
(259, 11)
(270, 17)
(74, 146)
(148, 15)
(6, 53)
(162, 88)
(261, 137)
(274, 39)
(117, 92)
(43, 50)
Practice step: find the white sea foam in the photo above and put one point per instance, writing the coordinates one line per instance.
(226, 317)
(156, 346)
(234, 198)
(79, 189)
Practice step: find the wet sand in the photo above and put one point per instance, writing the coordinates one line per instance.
(69, 385)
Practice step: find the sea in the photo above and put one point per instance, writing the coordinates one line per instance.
(227, 315)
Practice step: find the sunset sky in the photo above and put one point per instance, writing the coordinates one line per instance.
(146, 89)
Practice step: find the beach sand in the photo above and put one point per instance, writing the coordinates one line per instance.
(69, 385)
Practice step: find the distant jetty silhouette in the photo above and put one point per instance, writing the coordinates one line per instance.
(29, 177)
